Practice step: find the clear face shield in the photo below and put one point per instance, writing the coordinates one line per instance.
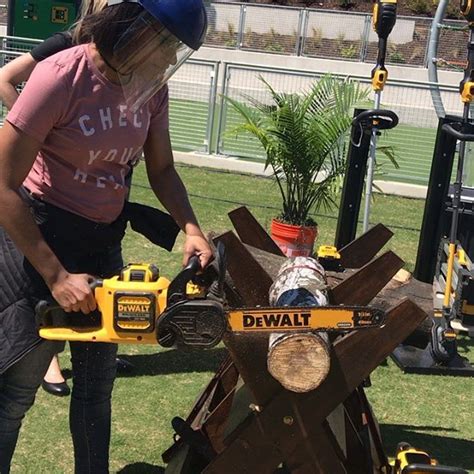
(145, 57)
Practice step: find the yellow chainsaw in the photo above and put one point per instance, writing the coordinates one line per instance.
(141, 307)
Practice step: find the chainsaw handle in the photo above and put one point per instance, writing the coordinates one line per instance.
(177, 288)
(43, 307)
(194, 265)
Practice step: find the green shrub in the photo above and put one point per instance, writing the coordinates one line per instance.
(420, 7)
(349, 52)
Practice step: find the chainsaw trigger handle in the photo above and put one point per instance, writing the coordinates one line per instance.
(42, 308)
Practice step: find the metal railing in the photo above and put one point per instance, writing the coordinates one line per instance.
(412, 141)
(327, 34)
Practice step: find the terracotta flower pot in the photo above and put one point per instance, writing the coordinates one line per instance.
(294, 241)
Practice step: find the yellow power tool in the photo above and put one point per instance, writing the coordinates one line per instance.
(141, 307)
(411, 460)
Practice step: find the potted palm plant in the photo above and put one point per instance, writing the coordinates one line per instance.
(305, 138)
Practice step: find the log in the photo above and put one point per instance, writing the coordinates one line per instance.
(300, 362)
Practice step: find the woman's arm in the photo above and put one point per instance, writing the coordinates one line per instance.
(13, 74)
(170, 191)
(17, 154)
(19, 70)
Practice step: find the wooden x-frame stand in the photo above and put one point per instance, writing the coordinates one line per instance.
(246, 422)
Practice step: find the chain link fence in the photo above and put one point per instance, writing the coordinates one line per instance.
(329, 34)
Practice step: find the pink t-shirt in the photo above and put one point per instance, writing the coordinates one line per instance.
(90, 139)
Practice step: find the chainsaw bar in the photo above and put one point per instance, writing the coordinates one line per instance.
(323, 318)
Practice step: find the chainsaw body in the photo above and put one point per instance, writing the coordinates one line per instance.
(127, 312)
(140, 307)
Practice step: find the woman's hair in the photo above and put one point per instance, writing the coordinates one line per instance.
(106, 27)
(88, 7)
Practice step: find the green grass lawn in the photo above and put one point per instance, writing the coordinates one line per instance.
(432, 412)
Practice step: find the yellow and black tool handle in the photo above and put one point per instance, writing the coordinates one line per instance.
(383, 19)
(466, 86)
(50, 314)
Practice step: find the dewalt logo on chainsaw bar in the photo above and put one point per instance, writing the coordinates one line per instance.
(134, 311)
(269, 319)
(327, 318)
(276, 320)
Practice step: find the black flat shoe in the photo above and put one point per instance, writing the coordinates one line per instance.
(60, 389)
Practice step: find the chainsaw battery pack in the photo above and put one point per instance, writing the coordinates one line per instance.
(134, 311)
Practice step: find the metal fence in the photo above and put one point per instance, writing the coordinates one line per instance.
(412, 140)
(200, 120)
(328, 34)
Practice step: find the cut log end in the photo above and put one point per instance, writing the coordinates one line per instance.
(300, 362)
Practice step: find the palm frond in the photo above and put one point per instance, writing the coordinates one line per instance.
(304, 138)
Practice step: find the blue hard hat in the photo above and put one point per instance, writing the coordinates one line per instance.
(186, 19)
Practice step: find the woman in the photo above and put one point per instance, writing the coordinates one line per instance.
(65, 149)
(14, 74)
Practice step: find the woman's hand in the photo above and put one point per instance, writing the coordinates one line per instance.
(72, 291)
(197, 245)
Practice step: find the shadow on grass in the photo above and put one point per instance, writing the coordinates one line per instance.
(447, 450)
(173, 362)
(141, 468)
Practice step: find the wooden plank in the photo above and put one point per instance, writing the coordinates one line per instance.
(215, 425)
(251, 232)
(356, 449)
(249, 352)
(215, 391)
(355, 356)
(362, 250)
(318, 453)
(249, 277)
(362, 286)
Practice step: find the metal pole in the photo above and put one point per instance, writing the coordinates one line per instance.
(431, 58)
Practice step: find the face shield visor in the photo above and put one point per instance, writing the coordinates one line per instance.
(145, 57)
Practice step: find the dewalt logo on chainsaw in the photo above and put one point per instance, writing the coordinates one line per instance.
(276, 320)
(134, 311)
(325, 318)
